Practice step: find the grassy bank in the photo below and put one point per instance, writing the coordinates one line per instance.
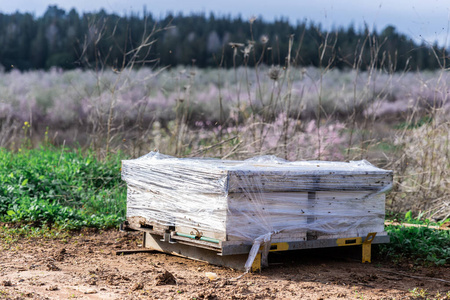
(61, 187)
(417, 245)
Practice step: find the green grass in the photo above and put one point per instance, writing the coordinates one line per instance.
(421, 245)
(410, 218)
(61, 187)
(10, 235)
(414, 124)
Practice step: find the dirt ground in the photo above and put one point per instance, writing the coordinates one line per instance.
(85, 266)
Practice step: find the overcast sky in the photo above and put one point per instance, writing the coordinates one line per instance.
(420, 19)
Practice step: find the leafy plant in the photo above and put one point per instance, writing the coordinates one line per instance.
(419, 293)
(9, 235)
(62, 187)
(423, 245)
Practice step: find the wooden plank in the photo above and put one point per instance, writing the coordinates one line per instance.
(143, 224)
(446, 226)
(208, 232)
(173, 176)
(254, 215)
(232, 261)
(182, 211)
(198, 175)
(133, 251)
(233, 247)
(297, 182)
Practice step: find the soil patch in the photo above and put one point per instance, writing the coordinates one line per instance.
(84, 266)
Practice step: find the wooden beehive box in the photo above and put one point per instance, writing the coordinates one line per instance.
(242, 200)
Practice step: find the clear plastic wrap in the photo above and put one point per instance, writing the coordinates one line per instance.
(260, 200)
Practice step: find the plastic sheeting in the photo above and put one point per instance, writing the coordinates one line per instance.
(260, 200)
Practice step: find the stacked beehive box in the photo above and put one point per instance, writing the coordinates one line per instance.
(243, 200)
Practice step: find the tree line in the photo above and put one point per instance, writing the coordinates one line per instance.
(97, 40)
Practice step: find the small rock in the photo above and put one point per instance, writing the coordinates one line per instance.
(211, 276)
(224, 283)
(29, 295)
(52, 288)
(165, 278)
(7, 283)
(59, 255)
(92, 281)
(90, 292)
(52, 267)
(137, 286)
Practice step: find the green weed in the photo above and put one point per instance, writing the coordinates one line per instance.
(411, 218)
(10, 235)
(414, 124)
(62, 187)
(421, 245)
(419, 293)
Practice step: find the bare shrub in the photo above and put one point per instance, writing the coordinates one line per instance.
(423, 170)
